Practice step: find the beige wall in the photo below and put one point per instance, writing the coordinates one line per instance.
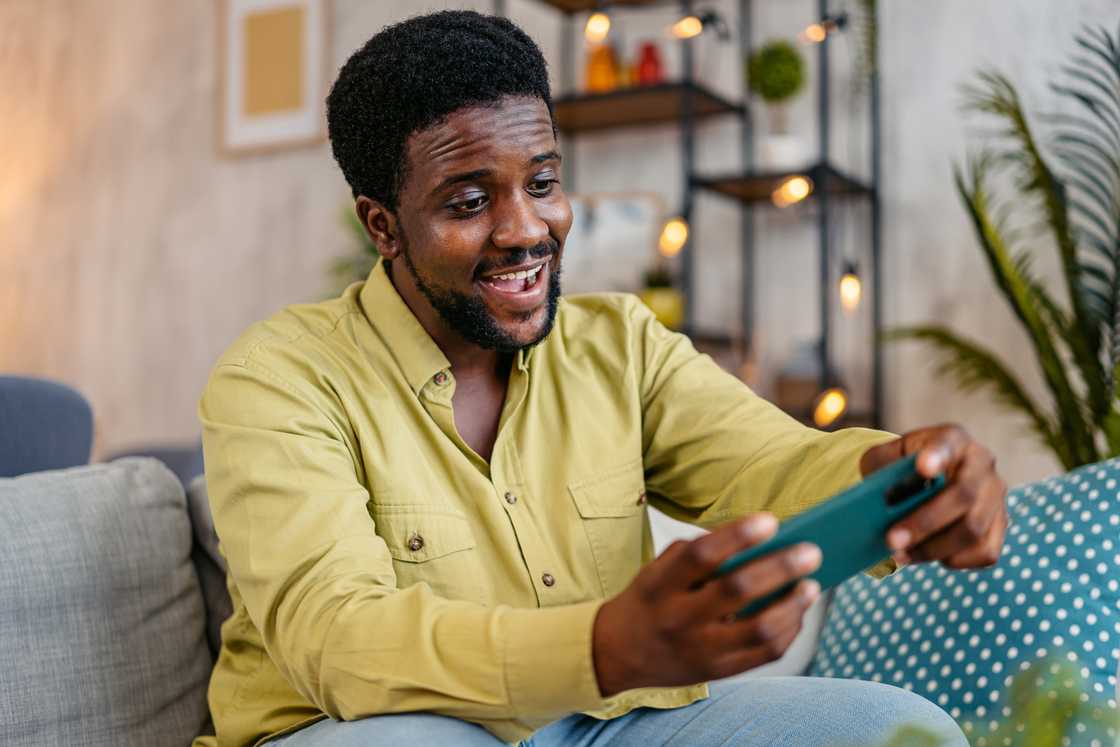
(131, 255)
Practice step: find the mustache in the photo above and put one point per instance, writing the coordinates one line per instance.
(520, 257)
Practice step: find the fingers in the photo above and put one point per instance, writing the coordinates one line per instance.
(940, 449)
(686, 564)
(972, 530)
(967, 478)
(728, 594)
(764, 636)
(987, 553)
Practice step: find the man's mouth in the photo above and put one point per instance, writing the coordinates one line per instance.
(518, 279)
(518, 289)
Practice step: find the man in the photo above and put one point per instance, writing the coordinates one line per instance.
(432, 491)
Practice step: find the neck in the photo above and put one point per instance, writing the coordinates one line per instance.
(467, 359)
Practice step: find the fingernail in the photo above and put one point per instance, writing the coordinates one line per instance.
(811, 590)
(759, 525)
(807, 557)
(939, 459)
(898, 538)
(901, 559)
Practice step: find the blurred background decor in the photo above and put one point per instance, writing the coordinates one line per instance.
(274, 74)
(776, 73)
(356, 264)
(179, 249)
(1071, 177)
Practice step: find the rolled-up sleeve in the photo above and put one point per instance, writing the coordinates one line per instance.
(290, 508)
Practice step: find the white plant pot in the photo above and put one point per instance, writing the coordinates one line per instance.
(783, 152)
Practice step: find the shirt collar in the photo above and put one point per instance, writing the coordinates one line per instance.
(410, 344)
(416, 353)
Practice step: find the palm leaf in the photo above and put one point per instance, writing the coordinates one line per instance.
(975, 368)
(997, 96)
(1027, 300)
(1088, 148)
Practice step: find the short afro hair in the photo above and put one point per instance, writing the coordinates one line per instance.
(413, 75)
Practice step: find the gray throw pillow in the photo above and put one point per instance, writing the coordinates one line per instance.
(210, 564)
(102, 630)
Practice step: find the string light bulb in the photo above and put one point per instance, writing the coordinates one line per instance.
(674, 235)
(792, 190)
(815, 33)
(831, 404)
(851, 288)
(693, 25)
(687, 27)
(597, 28)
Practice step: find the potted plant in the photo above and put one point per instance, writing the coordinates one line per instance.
(776, 74)
(1067, 181)
(355, 265)
(665, 301)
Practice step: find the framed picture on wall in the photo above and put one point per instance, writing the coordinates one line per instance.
(273, 74)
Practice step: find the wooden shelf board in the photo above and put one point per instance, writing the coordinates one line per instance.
(575, 6)
(637, 105)
(759, 186)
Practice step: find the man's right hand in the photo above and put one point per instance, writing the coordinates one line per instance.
(675, 624)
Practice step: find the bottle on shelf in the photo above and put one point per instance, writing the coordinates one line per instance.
(603, 71)
(650, 70)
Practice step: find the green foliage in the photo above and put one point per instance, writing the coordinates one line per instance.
(776, 72)
(1074, 184)
(357, 264)
(865, 23)
(1048, 701)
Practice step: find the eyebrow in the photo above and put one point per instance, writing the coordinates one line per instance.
(470, 176)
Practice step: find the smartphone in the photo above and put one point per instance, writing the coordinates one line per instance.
(850, 528)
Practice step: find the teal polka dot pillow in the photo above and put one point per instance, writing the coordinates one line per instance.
(1051, 604)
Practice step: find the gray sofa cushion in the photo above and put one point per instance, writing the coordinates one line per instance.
(210, 564)
(102, 630)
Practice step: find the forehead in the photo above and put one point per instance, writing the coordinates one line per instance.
(514, 128)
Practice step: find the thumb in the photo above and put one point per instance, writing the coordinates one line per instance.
(880, 456)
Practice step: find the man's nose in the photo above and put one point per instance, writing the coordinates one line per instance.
(518, 224)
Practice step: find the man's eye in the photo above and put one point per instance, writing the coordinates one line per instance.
(472, 205)
(541, 187)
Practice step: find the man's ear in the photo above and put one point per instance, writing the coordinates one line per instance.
(381, 226)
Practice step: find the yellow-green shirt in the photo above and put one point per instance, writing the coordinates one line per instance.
(378, 565)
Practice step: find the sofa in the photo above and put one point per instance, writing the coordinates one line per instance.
(112, 593)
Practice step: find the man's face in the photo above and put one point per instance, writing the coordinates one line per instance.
(482, 222)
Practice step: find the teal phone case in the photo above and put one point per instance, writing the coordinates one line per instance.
(850, 528)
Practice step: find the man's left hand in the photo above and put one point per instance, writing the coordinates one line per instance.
(965, 524)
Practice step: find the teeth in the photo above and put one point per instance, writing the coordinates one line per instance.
(531, 274)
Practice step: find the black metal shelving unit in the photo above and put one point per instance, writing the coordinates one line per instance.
(686, 101)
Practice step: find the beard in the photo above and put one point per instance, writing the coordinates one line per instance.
(468, 314)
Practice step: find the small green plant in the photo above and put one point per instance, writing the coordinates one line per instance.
(1068, 196)
(776, 72)
(356, 265)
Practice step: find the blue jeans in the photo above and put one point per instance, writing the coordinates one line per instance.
(780, 711)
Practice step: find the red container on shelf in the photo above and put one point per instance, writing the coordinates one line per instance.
(650, 70)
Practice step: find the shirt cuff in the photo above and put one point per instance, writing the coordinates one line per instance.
(549, 667)
(882, 569)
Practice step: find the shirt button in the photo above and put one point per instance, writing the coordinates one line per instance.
(511, 498)
(548, 580)
(415, 543)
(440, 378)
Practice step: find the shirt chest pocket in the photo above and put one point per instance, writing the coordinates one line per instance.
(612, 509)
(432, 547)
